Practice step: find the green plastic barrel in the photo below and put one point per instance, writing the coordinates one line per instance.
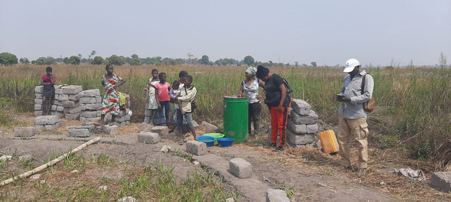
(236, 117)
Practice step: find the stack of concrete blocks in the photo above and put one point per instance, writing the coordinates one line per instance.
(122, 119)
(90, 105)
(71, 106)
(302, 124)
(46, 122)
(64, 103)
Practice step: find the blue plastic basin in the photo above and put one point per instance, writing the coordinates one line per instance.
(225, 142)
(207, 139)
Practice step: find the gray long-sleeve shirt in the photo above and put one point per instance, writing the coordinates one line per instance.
(352, 90)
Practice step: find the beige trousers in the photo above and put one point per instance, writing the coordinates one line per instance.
(353, 130)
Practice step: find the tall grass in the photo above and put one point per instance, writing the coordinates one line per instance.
(412, 103)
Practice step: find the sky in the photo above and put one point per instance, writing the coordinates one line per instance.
(383, 32)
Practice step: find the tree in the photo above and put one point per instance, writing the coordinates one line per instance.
(313, 64)
(442, 60)
(66, 60)
(136, 61)
(134, 56)
(115, 60)
(7, 59)
(205, 60)
(92, 54)
(97, 60)
(24, 61)
(74, 60)
(249, 60)
(45, 61)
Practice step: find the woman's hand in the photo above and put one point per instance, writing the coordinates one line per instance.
(279, 109)
(145, 89)
(259, 97)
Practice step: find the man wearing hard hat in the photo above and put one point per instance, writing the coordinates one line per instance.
(352, 121)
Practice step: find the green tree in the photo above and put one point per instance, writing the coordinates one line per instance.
(66, 60)
(74, 60)
(249, 60)
(8, 59)
(97, 60)
(204, 60)
(115, 60)
(24, 61)
(136, 61)
(313, 64)
(134, 56)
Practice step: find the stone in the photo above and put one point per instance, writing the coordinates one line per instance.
(63, 98)
(42, 181)
(313, 115)
(74, 110)
(102, 188)
(441, 181)
(127, 199)
(62, 123)
(74, 171)
(98, 99)
(40, 127)
(147, 112)
(208, 127)
(298, 119)
(300, 139)
(24, 131)
(5, 158)
(148, 137)
(110, 130)
(38, 113)
(53, 108)
(312, 128)
(83, 119)
(37, 107)
(301, 107)
(240, 168)
(58, 90)
(230, 200)
(195, 124)
(161, 130)
(89, 93)
(57, 103)
(196, 148)
(51, 127)
(72, 89)
(38, 95)
(46, 120)
(70, 104)
(88, 114)
(91, 107)
(297, 129)
(79, 132)
(60, 109)
(73, 98)
(72, 116)
(165, 149)
(35, 176)
(145, 127)
(196, 163)
(25, 158)
(276, 195)
(38, 89)
(88, 100)
(37, 101)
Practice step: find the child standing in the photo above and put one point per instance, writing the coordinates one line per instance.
(48, 93)
(173, 93)
(152, 98)
(187, 95)
(163, 97)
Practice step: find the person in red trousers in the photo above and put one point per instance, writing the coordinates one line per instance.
(278, 101)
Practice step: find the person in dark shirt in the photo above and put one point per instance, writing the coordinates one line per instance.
(278, 102)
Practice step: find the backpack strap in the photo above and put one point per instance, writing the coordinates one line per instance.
(363, 84)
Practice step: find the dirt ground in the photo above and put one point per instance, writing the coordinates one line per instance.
(307, 173)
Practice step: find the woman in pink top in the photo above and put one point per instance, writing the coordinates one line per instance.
(163, 97)
(48, 92)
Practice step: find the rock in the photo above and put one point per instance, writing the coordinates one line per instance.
(240, 168)
(161, 130)
(196, 148)
(24, 131)
(25, 158)
(297, 129)
(89, 93)
(46, 120)
(164, 149)
(38, 89)
(196, 163)
(230, 200)
(441, 181)
(60, 109)
(88, 100)
(127, 199)
(301, 107)
(91, 107)
(72, 116)
(38, 101)
(89, 114)
(38, 95)
(110, 130)
(102, 188)
(195, 124)
(35, 176)
(276, 195)
(51, 127)
(37, 107)
(72, 89)
(79, 132)
(148, 137)
(312, 128)
(300, 139)
(38, 113)
(5, 158)
(63, 98)
(145, 127)
(70, 104)
(73, 98)
(74, 171)
(42, 181)
(208, 127)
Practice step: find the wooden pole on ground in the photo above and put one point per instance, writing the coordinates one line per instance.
(51, 163)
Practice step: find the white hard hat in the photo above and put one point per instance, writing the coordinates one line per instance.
(351, 64)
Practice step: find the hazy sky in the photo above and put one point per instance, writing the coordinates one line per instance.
(328, 32)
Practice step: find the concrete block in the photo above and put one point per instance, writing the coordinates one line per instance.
(73, 98)
(441, 181)
(99, 113)
(57, 103)
(91, 107)
(300, 139)
(297, 129)
(240, 168)
(59, 114)
(37, 107)
(313, 114)
(38, 89)
(72, 110)
(58, 91)
(40, 127)
(72, 89)
(111, 130)
(98, 100)
(88, 100)
(70, 104)
(298, 104)
(148, 137)
(46, 120)
(89, 93)
(53, 108)
(38, 95)
(299, 119)
(37, 101)
(208, 127)
(63, 97)
(161, 130)
(38, 113)
(312, 128)
(88, 114)
(196, 148)
(24, 131)
(60, 109)
(75, 116)
(51, 127)
(276, 195)
(125, 123)
(78, 132)
(145, 127)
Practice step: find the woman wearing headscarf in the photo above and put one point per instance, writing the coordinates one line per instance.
(250, 88)
(278, 102)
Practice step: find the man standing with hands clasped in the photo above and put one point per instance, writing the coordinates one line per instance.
(352, 116)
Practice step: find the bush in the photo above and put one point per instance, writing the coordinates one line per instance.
(136, 61)
(115, 60)
(8, 59)
(97, 60)
(74, 60)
